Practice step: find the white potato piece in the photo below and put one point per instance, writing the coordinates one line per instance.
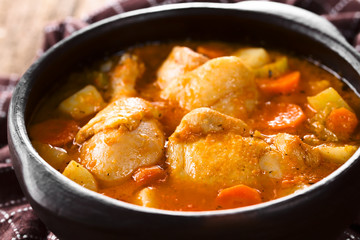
(337, 154)
(76, 172)
(83, 103)
(328, 97)
(55, 156)
(147, 197)
(253, 57)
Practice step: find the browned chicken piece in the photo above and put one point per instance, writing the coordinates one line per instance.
(121, 138)
(292, 161)
(224, 84)
(179, 61)
(123, 77)
(297, 154)
(203, 121)
(125, 113)
(212, 148)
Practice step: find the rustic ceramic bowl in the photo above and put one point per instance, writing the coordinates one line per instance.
(320, 212)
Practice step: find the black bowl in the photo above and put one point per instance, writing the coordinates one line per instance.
(322, 211)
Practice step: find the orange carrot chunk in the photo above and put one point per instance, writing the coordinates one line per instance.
(238, 196)
(147, 175)
(284, 84)
(342, 122)
(56, 132)
(211, 51)
(283, 115)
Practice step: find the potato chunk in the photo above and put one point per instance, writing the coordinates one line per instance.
(328, 97)
(55, 156)
(274, 69)
(76, 172)
(253, 57)
(337, 154)
(147, 198)
(83, 103)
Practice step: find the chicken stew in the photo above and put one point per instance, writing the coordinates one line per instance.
(197, 126)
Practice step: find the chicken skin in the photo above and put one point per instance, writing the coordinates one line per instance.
(179, 61)
(224, 84)
(125, 113)
(119, 139)
(218, 150)
(212, 148)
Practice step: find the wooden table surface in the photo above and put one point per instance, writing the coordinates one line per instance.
(22, 23)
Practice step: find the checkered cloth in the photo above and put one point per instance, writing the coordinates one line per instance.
(17, 219)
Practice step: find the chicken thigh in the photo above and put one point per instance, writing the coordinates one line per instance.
(224, 84)
(123, 77)
(121, 138)
(179, 61)
(296, 157)
(215, 149)
(209, 147)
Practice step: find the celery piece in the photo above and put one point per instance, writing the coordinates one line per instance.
(274, 69)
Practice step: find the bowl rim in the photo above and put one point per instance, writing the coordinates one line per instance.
(17, 127)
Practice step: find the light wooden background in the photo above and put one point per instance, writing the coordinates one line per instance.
(22, 23)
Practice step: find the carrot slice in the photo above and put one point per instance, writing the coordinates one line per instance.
(283, 115)
(284, 84)
(211, 51)
(56, 132)
(342, 122)
(238, 196)
(147, 175)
